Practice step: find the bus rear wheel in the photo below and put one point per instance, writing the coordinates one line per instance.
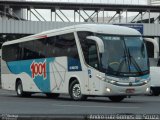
(19, 90)
(75, 91)
(116, 98)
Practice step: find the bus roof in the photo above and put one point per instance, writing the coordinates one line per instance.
(97, 28)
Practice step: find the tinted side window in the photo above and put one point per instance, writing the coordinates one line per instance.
(27, 50)
(92, 57)
(89, 49)
(55, 46)
(39, 48)
(50, 46)
(33, 49)
(10, 52)
(65, 45)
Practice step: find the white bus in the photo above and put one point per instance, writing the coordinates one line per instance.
(81, 60)
(153, 54)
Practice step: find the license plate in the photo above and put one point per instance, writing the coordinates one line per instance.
(130, 90)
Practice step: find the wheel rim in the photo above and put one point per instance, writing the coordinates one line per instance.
(19, 89)
(151, 92)
(77, 91)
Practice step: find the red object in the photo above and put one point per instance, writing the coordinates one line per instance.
(130, 90)
(41, 36)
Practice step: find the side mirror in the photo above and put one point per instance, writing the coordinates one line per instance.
(98, 41)
(156, 46)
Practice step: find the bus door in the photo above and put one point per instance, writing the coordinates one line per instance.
(93, 62)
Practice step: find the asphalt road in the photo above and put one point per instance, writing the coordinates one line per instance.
(39, 104)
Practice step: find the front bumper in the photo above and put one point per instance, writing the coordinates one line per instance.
(111, 90)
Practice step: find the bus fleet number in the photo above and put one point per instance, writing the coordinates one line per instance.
(38, 69)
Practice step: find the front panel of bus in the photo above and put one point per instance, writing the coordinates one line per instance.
(122, 68)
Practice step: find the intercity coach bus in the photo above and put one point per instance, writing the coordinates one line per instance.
(81, 60)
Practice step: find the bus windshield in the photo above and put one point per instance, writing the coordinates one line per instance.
(124, 56)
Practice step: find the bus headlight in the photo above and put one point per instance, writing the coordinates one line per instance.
(148, 89)
(108, 90)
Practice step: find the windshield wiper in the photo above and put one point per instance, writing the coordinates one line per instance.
(121, 64)
(133, 61)
(129, 60)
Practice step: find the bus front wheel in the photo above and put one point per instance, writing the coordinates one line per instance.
(75, 91)
(116, 98)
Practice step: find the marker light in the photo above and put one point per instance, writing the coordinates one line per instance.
(146, 81)
(112, 81)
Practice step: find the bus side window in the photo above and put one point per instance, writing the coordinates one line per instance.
(10, 52)
(50, 48)
(65, 45)
(27, 50)
(92, 57)
(20, 52)
(39, 50)
(89, 49)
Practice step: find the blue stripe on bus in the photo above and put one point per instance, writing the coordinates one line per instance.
(18, 67)
(42, 82)
(145, 76)
(74, 64)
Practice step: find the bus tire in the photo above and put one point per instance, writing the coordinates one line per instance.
(52, 95)
(154, 92)
(19, 89)
(75, 91)
(116, 98)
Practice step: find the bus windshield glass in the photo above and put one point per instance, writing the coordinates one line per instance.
(124, 56)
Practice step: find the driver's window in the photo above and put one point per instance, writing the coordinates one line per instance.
(89, 49)
(92, 57)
